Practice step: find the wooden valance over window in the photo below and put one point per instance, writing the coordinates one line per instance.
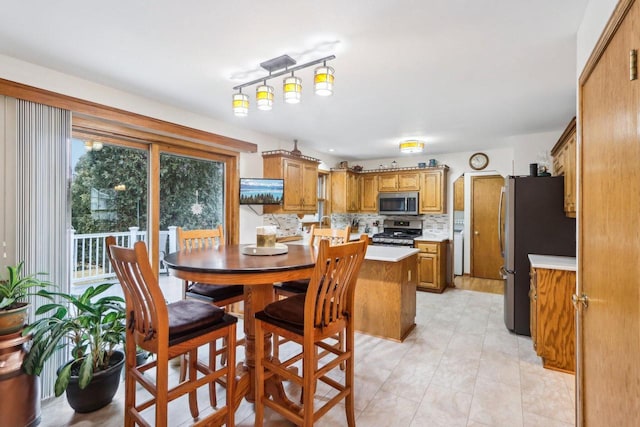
(111, 119)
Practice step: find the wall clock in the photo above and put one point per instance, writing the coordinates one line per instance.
(478, 161)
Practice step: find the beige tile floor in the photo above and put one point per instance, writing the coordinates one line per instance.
(460, 367)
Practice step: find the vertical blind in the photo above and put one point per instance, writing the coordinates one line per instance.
(42, 210)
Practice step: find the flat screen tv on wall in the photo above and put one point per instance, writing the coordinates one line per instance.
(261, 191)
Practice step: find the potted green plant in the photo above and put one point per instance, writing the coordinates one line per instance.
(14, 314)
(94, 327)
(13, 293)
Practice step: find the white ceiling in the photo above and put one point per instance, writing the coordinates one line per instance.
(460, 74)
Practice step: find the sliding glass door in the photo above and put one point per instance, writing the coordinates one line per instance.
(108, 197)
(191, 193)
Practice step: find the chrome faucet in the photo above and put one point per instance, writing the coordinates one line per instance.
(320, 222)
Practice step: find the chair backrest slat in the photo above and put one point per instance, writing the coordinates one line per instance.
(146, 307)
(194, 239)
(329, 296)
(336, 236)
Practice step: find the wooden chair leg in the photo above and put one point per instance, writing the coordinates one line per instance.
(309, 366)
(349, 403)
(193, 373)
(341, 347)
(213, 398)
(162, 385)
(130, 387)
(231, 380)
(183, 367)
(223, 357)
(259, 373)
(276, 346)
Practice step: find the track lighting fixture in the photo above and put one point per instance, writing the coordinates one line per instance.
(291, 85)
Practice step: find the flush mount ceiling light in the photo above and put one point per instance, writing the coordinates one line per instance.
(411, 146)
(291, 85)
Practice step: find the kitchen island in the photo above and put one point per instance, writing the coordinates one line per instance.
(385, 295)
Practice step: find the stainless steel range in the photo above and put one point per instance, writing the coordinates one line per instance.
(398, 232)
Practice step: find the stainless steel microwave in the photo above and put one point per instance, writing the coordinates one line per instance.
(398, 203)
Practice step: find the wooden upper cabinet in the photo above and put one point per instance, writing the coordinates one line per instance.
(309, 187)
(458, 194)
(408, 181)
(300, 176)
(564, 164)
(433, 191)
(358, 191)
(345, 191)
(369, 193)
(399, 181)
(388, 182)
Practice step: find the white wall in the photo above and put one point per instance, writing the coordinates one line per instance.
(596, 16)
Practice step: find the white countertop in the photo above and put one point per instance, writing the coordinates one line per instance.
(389, 253)
(377, 253)
(553, 262)
(432, 237)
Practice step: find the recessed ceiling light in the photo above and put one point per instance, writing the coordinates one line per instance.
(331, 150)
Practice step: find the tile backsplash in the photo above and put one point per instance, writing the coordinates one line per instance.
(290, 224)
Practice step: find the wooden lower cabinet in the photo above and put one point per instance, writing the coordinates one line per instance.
(432, 265)
(553, 317)
(385, 298)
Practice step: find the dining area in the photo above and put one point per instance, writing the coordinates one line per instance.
(311, 319)
(458, 366)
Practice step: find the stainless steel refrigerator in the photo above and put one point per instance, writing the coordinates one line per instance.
(532, 221)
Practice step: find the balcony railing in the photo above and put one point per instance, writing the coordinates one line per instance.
(89, 261)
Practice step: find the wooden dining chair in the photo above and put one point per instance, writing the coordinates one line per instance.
(335, 236)
(219, 295)
(308, 319)
(168, 331)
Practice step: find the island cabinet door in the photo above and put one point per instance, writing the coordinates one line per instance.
(427, 267)
(533, 312)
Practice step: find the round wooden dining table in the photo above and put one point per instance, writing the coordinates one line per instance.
(228, 265)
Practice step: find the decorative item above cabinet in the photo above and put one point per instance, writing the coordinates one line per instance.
(300, 174)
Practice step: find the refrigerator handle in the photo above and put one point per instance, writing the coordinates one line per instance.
(505, 271)
(500, 219)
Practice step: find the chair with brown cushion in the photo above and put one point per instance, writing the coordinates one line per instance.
(335, 236)
(308, 319)
(219, 295)
(168, 330)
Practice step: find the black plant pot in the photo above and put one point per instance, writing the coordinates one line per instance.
(100, 391)
(141, 357)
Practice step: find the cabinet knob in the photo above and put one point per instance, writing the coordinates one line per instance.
(476, 232)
